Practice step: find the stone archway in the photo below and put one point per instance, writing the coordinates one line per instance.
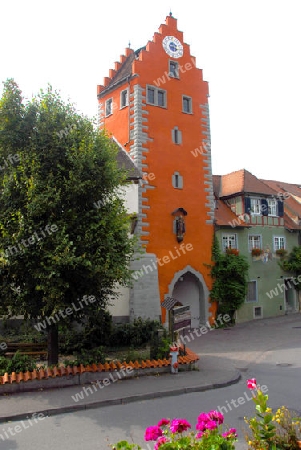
(189, 288)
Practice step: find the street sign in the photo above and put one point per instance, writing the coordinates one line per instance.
(181, 317)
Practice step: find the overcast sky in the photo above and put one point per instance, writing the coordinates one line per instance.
(249, 52)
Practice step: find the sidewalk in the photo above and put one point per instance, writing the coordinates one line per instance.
(224, 355)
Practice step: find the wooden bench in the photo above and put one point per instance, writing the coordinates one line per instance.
(30, 349)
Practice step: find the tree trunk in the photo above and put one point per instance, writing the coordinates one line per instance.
(53, 344)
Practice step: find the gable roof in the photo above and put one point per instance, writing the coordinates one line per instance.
(241, 182)
(124, 161)
(292, 198)
(224, 216)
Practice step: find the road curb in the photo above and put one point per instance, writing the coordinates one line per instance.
(121, 401)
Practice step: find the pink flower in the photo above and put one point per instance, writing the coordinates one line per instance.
(179, 425)
(201, 425)
(152, 433)
(199, 435)
(211, 425)
(217, 416)
(251, 384)
(203, 417)
(230, 434)
(162, 440)
(163, 422)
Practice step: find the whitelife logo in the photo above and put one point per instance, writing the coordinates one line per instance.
(161, 261)
(19, 248)
(180, 68)
(63, 314)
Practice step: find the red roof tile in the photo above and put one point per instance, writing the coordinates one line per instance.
(224, 216)
(242, 181)
(292, 200)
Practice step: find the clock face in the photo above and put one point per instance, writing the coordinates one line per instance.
(173, 46)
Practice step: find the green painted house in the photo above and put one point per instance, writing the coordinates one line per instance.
(255, 217)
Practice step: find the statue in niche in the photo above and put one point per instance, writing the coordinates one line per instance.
(180, 228)
(179, 223)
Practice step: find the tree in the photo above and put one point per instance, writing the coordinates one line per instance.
(229, 274)
(293, 264)
(64, 230)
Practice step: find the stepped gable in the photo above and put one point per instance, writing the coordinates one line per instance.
(123, 70)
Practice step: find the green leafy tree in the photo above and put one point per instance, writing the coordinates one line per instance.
(64, 230)
(293, 264)
(229, 274)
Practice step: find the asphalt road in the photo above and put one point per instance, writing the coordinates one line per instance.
(279, 370)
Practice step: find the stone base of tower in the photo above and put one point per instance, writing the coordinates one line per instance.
(144, 298)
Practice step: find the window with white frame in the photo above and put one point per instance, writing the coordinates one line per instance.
(255, 206)
(174, 69)
(257, 312)
(252, 291)
(109, 107)
(229, 241)
(124, 101)
(272, 206)
(155, 96)
(187, 104)
(279, 242)
(254, 241)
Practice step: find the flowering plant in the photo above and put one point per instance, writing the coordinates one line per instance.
(256, 251)
(174, 434)
(271, 431)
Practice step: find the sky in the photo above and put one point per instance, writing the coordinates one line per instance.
(249, 52)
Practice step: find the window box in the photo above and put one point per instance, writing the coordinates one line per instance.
(256, 251)
(232, 251)
(281, 252)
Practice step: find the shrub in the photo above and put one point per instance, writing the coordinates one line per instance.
(134, 334)
(18, 363)
(95, 332)
(160, 345)
(85, 357)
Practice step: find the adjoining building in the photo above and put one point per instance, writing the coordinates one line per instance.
(261, 220)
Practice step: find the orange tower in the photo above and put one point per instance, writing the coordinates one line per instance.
(155, 104)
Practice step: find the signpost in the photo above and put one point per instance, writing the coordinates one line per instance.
(180, 316)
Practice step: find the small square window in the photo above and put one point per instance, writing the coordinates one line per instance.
(151, 95)
(161, 98)
(257, 312)
(109, 107)
(187, 105)
(124, 98)
(173, 69)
